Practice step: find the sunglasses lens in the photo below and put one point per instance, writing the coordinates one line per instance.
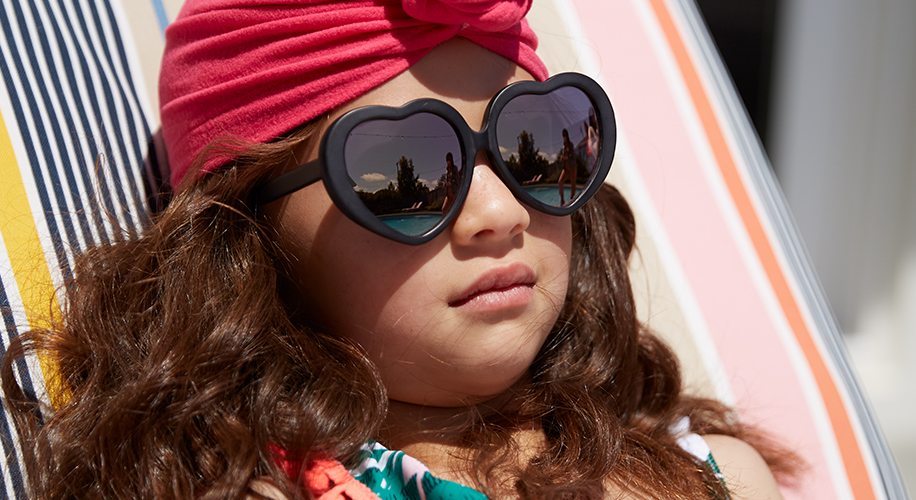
(550, 143)
(407, 172)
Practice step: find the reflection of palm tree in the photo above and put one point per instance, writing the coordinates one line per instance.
(567, 162)
(451, 182)
(410, 189)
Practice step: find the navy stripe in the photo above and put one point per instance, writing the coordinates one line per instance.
(103, 194)
(44, 137)
(11, 454)
(89, 125)
(12, 331)
(17, 101)
(61, 139)
(110, 96)
(129, 92)
(81, 164)
(94, 210)
(109, 100)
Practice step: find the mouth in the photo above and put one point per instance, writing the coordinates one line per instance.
(499, 288)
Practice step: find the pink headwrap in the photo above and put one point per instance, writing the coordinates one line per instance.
(255, 70)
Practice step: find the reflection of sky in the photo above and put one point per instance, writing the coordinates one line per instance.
(545, 116)
(374, 148)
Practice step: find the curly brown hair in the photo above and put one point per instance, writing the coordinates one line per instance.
(186, 373)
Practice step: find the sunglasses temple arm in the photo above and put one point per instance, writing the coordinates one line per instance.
(294, 180)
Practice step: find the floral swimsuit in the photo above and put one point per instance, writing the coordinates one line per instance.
(383, 474)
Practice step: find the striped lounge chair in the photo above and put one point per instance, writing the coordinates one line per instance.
(719, 271)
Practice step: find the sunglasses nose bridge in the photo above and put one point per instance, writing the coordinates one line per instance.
(482, 141)
(479, 141)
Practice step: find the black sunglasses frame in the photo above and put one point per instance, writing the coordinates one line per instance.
(330, 165)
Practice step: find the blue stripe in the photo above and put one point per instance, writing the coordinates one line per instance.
(161, 16)
(44, 138)
(90, 98)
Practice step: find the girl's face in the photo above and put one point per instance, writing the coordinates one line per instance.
(456, 320)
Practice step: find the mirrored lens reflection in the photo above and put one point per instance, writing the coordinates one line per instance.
(407, 171)
(550, 143)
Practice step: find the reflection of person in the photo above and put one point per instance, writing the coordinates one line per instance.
(569, 168)
(451, 182)
(230, 350)
(591, 134)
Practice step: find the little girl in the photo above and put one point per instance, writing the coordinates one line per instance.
(310, 318)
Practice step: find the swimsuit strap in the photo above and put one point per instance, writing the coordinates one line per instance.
(698, 447)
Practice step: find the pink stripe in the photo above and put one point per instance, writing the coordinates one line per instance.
(761, 373)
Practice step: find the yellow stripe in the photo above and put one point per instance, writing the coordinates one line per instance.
(27, 257)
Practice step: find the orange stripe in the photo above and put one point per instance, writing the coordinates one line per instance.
(849, 447)
(27, 258)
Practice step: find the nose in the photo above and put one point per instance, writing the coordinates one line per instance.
(491, 213)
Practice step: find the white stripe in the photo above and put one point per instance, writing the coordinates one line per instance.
(674, 271)
(34, 373)
(87, 138)
(727, 106)
(82, 157)
(729, 110)
(21, 320)
(99, 73)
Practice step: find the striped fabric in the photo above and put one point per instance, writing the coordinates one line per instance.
(73, 138)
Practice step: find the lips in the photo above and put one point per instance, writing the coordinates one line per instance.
(504, 286)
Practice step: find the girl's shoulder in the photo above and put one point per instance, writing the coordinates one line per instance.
(745, 472)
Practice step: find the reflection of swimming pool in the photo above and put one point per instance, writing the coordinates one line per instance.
(549, 195)
(417, 223)
(412, 224)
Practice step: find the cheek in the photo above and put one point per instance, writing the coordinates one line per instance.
(553, 236)
(318, 267)
(347, 280)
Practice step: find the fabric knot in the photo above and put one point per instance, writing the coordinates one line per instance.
(484, 15)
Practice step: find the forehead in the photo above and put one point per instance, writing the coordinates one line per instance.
(458, 72)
